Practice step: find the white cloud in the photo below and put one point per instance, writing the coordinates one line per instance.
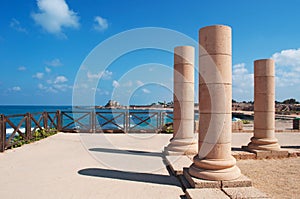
(242, 82)
(41, 86)
(145, 90)
(139, 83)
(39, 75)
(61, 87)
(103, 74)
(290, 58)
(53, 15)
(55, 63)
(100, 24)
(15, 24)
(16, 88)
(54, 89)
(287, 77)
(22, 68)
(60, 79)
(48, 70)
(287, 68)
(115, 84)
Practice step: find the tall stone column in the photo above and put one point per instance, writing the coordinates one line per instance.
(264, 107)
(183, 141)
(214, 160)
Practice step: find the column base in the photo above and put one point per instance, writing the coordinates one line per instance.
(215, 169)
(264, 144)
(184, 146)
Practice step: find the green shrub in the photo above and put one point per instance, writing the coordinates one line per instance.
(246, 121)
(37, 135)
(167, 128)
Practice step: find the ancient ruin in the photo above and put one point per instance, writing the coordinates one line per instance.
(214, 160)
(264, 107)
(183, 141)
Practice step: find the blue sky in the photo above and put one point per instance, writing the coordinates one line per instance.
(44, 43)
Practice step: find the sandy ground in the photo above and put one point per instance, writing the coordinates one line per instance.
(279, 178)
(280, 125)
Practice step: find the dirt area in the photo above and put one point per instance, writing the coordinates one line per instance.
(279, 178)
(280, 126)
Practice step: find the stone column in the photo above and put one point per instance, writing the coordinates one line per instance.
(183, 141)
(214, 160)
(264, 107)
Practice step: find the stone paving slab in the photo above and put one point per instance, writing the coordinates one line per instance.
(205, 193)
(75, 166)
(242, 181)
(200, 183)
(61, 166)
(177, 163)
(244, 193)
(243, 155)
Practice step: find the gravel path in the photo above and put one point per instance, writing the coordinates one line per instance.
(279, 178)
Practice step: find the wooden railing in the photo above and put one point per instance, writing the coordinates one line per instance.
(125, 121)
(25, 125)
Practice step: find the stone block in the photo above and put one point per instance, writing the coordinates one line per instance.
(264, 102)
(212, 69)
(215, 128)
(247, 156)
(215, 98)
(184, 54)
(215, 151)
(242, 181)
(205, 193)
(261, 154)
(177, 163)
(183, 128)
(184, 92)
(215, 40)
(184, 183)
(264, 120)
(200, 183)
(280, 154)
(264, 67)
(184, 73)
(245, 192)
(237, 125)
(184, 110)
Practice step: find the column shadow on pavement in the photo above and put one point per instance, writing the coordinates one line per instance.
(127, 152)
(290, 147)
(131, 176)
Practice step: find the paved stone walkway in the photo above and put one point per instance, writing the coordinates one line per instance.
(96, 166)
(61, 167)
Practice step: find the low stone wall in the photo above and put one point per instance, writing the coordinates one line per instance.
(237, 125)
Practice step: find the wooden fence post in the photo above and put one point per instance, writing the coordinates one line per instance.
(93, 122)
(160, 117)
(45, 120)
(28, 133)
(2, 133)
(127, 121)
(59, 120)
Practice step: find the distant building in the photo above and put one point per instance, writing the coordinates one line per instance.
(112, 104)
